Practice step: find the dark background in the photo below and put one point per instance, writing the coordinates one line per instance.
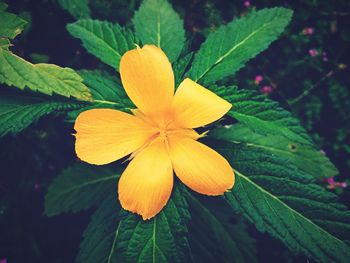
(31, 160)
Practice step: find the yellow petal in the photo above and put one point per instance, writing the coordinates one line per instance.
(199, 167)
(145, 186)
(148, 79)
(106, 135)
(197, 106)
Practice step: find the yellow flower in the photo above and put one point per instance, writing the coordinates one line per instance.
(159, 135)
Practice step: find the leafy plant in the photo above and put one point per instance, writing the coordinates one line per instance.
(77, 8)
(276, 163)
(104, 40)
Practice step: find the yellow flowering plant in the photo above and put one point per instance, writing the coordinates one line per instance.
(177, 161)
(159, 135)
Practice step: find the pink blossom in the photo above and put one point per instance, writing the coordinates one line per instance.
(308, 31)
(332, 184)
(330, 180)
(266, 90)
(313, 52)
(343, 184)
(247, 3)
(258, 79)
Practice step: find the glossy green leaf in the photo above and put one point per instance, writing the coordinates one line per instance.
(157, 23)
(4, 43)
(10, 24)
(160, 239)
(130, 239)
(180, 68)
(104, 40)
(282, 200)
(231, 46)
(265, 117)
(303, 156)
(45, 78)
(99, 238)
(106, 88)
(80, 187)
(222, 240)
(107, 92)
(17, 112)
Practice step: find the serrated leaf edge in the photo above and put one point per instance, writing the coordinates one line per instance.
(289, 208)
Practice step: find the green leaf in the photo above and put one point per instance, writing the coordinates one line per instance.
(107, 92)
(10, 24)
(303, 156)
(80, 187)
(77, 8)
(104, 40)
(39, 58)
(262, 114)
(44, 78)
(3, 6)
(17, 112)
(157, 23)
(231, 46)
(106, 88)
(4, 43)
(285, 202)
(180, 68)
(222, 241)
(160, 239)
(266, 118)
(99, 238)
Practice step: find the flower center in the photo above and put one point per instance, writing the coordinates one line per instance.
(165, 133)
(166, 128)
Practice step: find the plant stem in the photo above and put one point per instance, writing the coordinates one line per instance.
(308, 91)
(106, 102)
